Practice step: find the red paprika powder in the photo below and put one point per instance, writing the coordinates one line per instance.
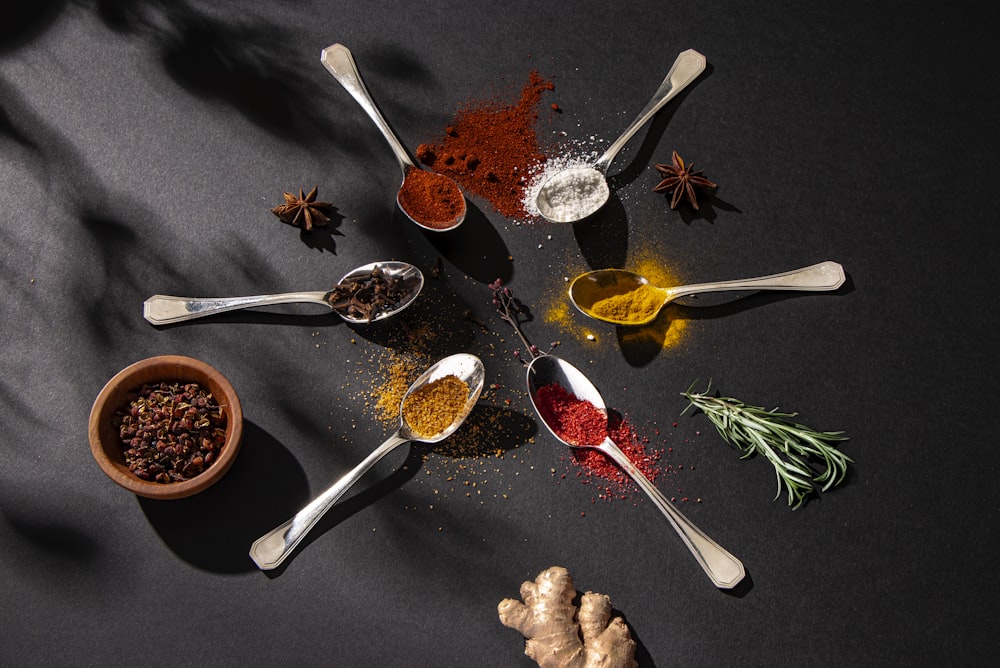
(491, 148)
(430, 199)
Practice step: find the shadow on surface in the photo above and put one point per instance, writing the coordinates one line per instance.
(350, 505)
(53, 538)
(21, 21)
(641, 345)
(603, 238)
(213, 530)
(487, 431)
(322, 238)
(475, 247)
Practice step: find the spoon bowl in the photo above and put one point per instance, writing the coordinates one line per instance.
(271, 549)
(339, 61)
(166, 309)
(623, 297)
(723, 569)
(579, 192)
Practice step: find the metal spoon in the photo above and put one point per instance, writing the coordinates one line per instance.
(338, 60)
(164, 309)
(722, 568)
(578, 192)
(589, 288)
(272, 548)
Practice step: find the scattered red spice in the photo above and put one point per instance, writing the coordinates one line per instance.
(431, 199)
(491, 148)
(598, 469)
(576, 421)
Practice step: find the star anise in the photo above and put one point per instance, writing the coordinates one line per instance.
(682, 180)
(304, 210)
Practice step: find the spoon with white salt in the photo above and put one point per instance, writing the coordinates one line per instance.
(338, 60)
(271, 549)
(723, 569)
(580, 191)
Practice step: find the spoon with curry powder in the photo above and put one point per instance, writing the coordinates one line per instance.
(431, 200)
(366, 294)
(584, 404)
(625, 298)
(435, 405)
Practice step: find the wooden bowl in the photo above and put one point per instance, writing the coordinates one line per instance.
(106, 445)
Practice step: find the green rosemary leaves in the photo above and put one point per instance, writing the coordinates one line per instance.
(791, 448)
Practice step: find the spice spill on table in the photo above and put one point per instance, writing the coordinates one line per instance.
(491, 147)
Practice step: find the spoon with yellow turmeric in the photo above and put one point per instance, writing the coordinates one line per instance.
(626, 298)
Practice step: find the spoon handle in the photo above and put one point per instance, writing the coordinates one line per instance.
(822, 276)
(272, 548)
(723, 569)
(164, 309)
(338, 60)
(686, 68)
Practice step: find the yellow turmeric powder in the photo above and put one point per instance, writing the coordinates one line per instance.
(633, 307)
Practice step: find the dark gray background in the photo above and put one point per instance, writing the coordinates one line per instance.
(141, 146)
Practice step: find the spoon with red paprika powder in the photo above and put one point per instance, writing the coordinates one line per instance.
(572, 408)
(578, 192)
(431, 200)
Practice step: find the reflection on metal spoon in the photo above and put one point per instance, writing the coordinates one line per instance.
(340, 63)
(271, 549)
(722, 568)
(165, 309)
(625, 298)
(579, 192)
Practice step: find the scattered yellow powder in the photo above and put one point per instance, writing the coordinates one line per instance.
(665, 331)
(400, 372)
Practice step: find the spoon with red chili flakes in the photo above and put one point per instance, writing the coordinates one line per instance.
(571, 407)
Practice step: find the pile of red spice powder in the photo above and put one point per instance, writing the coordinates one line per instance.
(430, 199)
(491, 148)
(579, 422)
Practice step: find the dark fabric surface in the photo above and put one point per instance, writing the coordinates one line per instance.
(142, 145)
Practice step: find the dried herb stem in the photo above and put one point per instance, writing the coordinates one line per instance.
(514, 313)
(790, 447)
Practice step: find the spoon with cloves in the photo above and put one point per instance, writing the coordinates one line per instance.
(369, 293)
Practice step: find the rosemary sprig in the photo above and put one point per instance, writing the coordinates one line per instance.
(789, 447)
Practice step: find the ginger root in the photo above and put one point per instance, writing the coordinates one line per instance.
(558, 635)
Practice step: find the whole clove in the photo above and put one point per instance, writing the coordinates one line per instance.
(365, 297)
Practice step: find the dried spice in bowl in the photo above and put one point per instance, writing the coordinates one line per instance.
(170, 431)
(365, 297)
